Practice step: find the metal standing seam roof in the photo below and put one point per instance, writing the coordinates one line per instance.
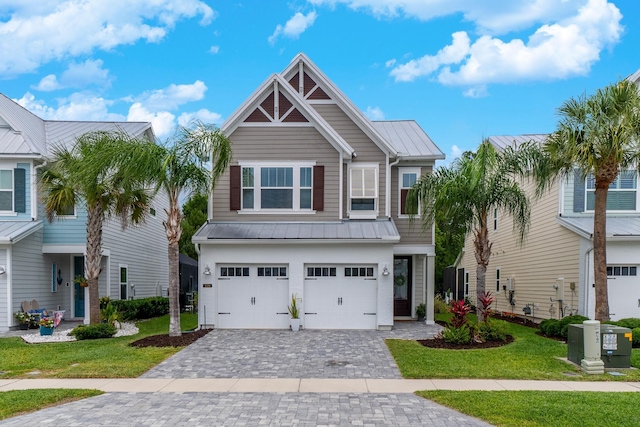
(353, 230)
(66, 132)
(617, 227)
(30, 126)
(635, 77)
(503, 141)
(14, 231)
(408, 139)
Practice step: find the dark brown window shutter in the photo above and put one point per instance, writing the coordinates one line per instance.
(403, 200)
(235, 188)
(318, 188)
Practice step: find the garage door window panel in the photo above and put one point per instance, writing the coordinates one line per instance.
(234, 272)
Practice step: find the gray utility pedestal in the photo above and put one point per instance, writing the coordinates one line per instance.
(615, 345)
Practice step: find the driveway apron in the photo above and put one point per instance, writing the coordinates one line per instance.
(346, 354)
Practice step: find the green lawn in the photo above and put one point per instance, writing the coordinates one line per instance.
(543, 408)
(529, 357)
(13, 403)
(104, 358)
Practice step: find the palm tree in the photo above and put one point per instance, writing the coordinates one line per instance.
(184, 161)
(597, 135)
(97, 172)
(469, 190)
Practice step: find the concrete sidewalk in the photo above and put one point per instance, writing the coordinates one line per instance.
(308, 385)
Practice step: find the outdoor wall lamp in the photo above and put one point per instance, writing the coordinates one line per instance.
(385, 271)
(2, 269)
(59, 278)
(207, 270)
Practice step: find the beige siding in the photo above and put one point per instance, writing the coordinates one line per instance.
(410, 234)
(418, 282)
(278, 144)
(549, 252)
(366, 150)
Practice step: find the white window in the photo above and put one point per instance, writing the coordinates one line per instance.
(124, 281)
(466, 284)
(6, 190)
(621, 195)
(363, 191)
(282, 187)
(495, 219)
(497, 280)
(406, 178)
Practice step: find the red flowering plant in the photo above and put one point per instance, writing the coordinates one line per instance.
(460, 310)
(485, 301)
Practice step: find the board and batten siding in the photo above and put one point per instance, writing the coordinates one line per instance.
(411, 234)
(143, 248)
(550, 251)
(274, 144)
(366, 150)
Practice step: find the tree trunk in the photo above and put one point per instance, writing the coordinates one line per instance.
(93, 258)
(483, 253)
(174, 230)
(600, 251)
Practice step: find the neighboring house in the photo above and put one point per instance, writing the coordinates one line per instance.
(313, 206)
(188, 274)
(39, 260)
(552, 273)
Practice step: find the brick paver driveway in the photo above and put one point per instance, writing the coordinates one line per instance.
(286, 354)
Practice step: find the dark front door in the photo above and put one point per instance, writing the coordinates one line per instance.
(78, 270)
(402, 273)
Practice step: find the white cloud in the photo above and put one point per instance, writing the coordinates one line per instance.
(214, 49)
(455, 152)
(163, 122)
(203, 115)
(295, 26)
(77, 75)
(390, 63)
(374, 113)
(559, 50)
(476, 92)
(172, 96)
(78, 106)
(39, 32)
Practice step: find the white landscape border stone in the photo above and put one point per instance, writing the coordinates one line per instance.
(125, 329)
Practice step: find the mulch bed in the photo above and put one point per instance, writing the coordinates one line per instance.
(515, 319)
(166, 341)
(440, 343)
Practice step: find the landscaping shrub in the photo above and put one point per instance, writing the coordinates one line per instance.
(460, 335)
(144, 308)
(566, 321)
(636, 337)
(460, 310)
(484, 301)
(629, 322)
(491, 330)
(92, 332)
(550, 327)
(104, 301)
(439, 306)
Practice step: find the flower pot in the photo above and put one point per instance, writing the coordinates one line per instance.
(46, 331)
(24, 326)
(295, 325)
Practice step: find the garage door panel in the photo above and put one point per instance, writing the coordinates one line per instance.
(624, 291)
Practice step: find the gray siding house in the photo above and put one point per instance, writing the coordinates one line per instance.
(39, 260)
(312, 207)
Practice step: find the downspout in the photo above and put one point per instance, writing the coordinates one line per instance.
(8, 273)
(388, 198)
(341, 189)
(586, 280)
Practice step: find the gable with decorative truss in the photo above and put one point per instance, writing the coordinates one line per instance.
(276, 107)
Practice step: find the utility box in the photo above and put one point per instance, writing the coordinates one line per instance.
(615, 349)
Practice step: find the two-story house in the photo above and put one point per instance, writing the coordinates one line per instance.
(552, 275)
(313, 207)
(38, 259)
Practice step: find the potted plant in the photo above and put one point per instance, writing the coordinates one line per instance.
(24, 319)
(81, 280)
(295, 314)
(421, 311)
(46, 326)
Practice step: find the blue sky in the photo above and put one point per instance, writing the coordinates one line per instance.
(463, 69)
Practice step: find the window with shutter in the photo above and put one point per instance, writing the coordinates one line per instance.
(6, 190)
(621, 195)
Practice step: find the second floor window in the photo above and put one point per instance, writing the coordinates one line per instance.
(363, 191)
(621, 195)
(407, 177)
(277, 187)
(6, 190)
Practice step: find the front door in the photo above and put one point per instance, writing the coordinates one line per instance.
(402, 270)
(78, 270)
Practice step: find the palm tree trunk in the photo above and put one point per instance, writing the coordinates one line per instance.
(174, 230)
(93, 259)
(482, 253)
(600, 251)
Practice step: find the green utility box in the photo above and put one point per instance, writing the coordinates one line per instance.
(615, 349)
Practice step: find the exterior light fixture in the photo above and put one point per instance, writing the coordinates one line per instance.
(207, 270)
(385, 271)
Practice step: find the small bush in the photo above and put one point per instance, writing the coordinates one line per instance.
(566, 321)
(460, 310)
(492, 330)
(550, 327)
(104, 301)
(461, 335)
(636, 337)
(92, 332)
(421, 311)
(439, 306)
(144, 308)
(629, 322)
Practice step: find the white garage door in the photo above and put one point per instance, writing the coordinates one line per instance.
(340, 297)
(253, 297)
(623, 284)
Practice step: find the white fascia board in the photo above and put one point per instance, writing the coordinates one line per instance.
(15, 238)
(386, 240)
(428, 250)
(348, 107)
(315, 119)
(571, 227)
(407, 157)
